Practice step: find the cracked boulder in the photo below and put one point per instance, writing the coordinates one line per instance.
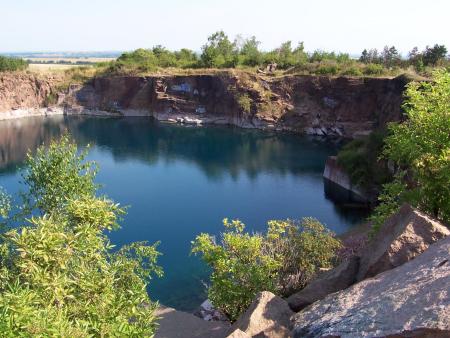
(402, 237)
(267, 317)
(334, 280)
(412, 300)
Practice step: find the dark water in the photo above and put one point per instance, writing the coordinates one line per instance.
(180, 181)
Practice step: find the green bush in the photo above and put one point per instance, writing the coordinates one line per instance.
(360, 158)
(12, 64)
(245, 102)
(352, 71)
(327, 69)
(282, 260)
(420, 148)
(58, 273)
(373, 69)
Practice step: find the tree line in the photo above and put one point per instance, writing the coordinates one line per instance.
(221, 52)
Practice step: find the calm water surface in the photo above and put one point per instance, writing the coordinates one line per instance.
(181, 181)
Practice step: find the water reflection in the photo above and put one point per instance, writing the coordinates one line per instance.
(215, 150)
(180, 181)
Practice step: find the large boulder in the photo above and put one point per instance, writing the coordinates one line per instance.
(334, 280)
(178, 324)
(412, 300)
(402, 237)
(268, 316)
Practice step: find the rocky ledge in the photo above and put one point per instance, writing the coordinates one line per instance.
(317, 105)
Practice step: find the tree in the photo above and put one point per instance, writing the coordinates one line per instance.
(249, 52)
(364, 58)
(420, 148)
(390, 56)
(58, 273)
(219, 52)
(432, 55)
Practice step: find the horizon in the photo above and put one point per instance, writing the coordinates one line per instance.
(100, 26)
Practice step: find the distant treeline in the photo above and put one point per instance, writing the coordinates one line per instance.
(220, 52)
(12, 64)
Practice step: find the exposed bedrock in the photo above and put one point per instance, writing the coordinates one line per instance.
(319, 105)
(310, 104)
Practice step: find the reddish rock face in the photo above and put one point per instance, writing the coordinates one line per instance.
(316, 105)
(310, 104)
(23, 90)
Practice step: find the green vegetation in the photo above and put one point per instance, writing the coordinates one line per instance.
(12, 64)
(282, 260)
(420, 149)
(360, 158)
(58, 273)
(245, 102)
(221, 52)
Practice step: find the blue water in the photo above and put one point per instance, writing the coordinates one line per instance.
(180, 181)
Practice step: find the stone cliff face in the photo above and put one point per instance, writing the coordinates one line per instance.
(316, 105)
(23, 90)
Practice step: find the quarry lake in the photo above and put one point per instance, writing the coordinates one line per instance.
(180, 181)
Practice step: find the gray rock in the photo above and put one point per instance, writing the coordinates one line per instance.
(411, 300)
(178, 324)
(334, 280)
(268, 316)
(402, 237)
(238, 334)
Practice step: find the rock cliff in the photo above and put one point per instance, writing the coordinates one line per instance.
(309, 104)
(319, 105)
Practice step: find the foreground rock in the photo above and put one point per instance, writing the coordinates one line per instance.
(334, 280)
(402, 237)
(412, 300)
(268, 316)
(178, 324)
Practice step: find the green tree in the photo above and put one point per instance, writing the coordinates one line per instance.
(219, 52)
(250, 54)
(59, 274)
(432, 55)
(281, 260)
(420, 148)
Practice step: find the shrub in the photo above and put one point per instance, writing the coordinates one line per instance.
(360, 158)
(12, 64)
(58, 273)
(420, 148)
(327, 69)
(244, 102)
(282, 260)
(373, 69)
(352, 71)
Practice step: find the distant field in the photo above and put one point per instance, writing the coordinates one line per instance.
(71, 60)
(37, 65)
(45, 68)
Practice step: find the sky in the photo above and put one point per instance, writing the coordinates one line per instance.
(118, 25)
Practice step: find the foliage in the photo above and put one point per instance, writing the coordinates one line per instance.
(244, 102)
(12, 64)
(420, 148)
(373, 69)
(281, 260)
(57, 174)
(58, 273)
(361, 159)
(219, 52)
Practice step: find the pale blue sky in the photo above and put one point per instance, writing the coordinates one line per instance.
(340, 25)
